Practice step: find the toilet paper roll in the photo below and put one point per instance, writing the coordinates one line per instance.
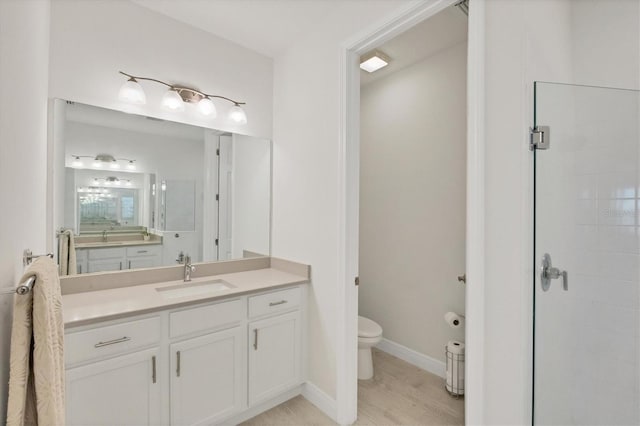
(455, 347)
(454, 320)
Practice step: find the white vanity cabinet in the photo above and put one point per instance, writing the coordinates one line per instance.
(102, 259)
(112, 374)
(118, 391)
(275, 344)
(192, 365)
(207, 377)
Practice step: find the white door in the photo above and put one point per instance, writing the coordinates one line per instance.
(208, 378)
(118, 391)
(274, 356)
(225, 205)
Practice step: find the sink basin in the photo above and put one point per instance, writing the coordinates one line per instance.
(194, 289)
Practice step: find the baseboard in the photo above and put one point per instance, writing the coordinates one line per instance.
(412, 357)
(321, 400)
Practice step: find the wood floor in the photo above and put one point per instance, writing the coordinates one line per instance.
(398, 394)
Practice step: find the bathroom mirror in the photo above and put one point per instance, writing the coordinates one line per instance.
(141, 192)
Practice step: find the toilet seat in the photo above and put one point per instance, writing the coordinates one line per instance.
(368, 328)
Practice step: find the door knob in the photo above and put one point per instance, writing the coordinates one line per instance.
(548, 273)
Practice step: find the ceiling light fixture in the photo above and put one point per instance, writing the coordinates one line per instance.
(373, 61)
(177, 96)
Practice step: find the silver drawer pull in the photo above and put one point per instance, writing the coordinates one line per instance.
(112, 342)
(277, 303)
(153, 366)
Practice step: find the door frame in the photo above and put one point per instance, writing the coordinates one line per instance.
(348, 179)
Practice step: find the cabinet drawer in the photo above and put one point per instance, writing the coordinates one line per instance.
(206, 317)
(143, 251)
(275, 302)
(106, 253)
(111, 340)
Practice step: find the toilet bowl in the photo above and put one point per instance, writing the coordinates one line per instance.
(369, 334)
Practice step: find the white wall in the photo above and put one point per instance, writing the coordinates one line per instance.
(306, 216)
(251, 198)
(92, 40)
(24, 29)
(413, 200)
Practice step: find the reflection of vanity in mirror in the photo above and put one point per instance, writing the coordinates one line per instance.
(139, 192)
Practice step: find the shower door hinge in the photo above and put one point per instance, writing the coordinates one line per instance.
(539, 138)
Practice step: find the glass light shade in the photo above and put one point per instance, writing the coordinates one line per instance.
(131, 91)
(172, 100)
(118, 182)
(207, 108)
(237, 115)
(115, 165)
(97, 164)
(128, 183)
(131, 166)
(77, 162)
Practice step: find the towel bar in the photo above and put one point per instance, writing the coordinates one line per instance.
(26, 287)
(28, 256)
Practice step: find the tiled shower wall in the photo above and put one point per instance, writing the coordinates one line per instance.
(587, 339)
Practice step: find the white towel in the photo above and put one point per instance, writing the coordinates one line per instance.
(67, 253)
(36, 380)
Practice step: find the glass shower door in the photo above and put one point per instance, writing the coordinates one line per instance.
(587, 257)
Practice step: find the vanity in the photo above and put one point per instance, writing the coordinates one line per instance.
(148, 342)
(148, 348)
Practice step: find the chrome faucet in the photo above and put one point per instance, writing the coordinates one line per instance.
(188, 268)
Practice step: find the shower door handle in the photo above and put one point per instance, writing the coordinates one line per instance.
(548, 273)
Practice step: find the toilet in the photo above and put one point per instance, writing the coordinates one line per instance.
(369, 334)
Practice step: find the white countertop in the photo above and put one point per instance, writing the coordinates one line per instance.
(102, 305)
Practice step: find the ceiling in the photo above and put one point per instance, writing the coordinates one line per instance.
(444, 30)
(266, 26)
(270, 27)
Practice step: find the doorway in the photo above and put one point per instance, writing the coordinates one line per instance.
(347, 349)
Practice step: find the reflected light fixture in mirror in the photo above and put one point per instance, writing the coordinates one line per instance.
(100, 160)
(177, 97)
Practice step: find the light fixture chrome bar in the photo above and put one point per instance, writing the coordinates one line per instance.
(180, 89)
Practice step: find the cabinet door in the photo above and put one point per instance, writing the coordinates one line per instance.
(143, 262)
(118, 391)
(274, 356)
(105, 265)
(208, 377)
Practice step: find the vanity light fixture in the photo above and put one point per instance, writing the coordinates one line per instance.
(177, 96)
(77, 162)
(101, 159)
(111, 180)
(374, 60)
